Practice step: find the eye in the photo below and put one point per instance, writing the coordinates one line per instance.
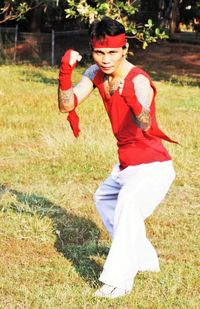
(98, 52)
(112, 52)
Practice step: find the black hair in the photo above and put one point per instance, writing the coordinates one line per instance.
(106, 26)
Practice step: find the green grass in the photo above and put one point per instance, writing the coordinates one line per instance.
(52, 243)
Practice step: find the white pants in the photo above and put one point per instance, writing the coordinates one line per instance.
(124, 201)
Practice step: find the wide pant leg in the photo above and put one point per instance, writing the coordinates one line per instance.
(106, 201)
(142, 188)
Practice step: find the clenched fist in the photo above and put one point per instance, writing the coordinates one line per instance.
(70, 58)
(68, 63)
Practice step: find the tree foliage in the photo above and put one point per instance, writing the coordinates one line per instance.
(11, 10)
(123, 11)
(145, 22)
(16, 10)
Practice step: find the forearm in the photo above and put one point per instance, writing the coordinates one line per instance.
(65, 100)
(144, 119)
(144, 95)
(138, 95)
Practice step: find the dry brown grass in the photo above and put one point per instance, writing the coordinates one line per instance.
(49, 256)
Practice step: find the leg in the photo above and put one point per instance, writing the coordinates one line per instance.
(106, 200)
(131, 251)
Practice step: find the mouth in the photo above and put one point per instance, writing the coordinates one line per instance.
(106, 68)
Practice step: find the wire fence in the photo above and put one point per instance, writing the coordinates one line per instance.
(47, 48)
(40, 48)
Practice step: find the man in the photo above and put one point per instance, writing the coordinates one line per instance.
(144, 174)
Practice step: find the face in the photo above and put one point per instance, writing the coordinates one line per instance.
(109, 59)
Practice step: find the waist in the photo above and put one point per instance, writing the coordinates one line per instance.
(142, 151)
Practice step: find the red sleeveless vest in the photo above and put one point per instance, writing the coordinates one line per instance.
(134, 145)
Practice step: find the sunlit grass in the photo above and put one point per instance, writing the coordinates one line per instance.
(52, 244)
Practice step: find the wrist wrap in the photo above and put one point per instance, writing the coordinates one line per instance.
(65, 83)
(74, 119)
(65, 72)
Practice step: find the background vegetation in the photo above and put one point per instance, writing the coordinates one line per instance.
(52, 243)
(44, 15)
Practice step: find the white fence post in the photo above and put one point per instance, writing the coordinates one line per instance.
(52, 46)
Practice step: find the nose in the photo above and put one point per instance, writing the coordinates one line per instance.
(105, 58)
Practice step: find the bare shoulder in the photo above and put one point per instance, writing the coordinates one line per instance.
(141, 79)
(143, 90)
(91, 72)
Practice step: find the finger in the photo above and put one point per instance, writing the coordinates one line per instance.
(75, 56)
(79, 57)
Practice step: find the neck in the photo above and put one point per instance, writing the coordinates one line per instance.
(122, 70)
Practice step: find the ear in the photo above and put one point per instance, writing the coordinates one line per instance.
(126, 49)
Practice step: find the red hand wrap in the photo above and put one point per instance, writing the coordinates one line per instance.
(65, 83)
(65, 72)
(74, 119)
(130, 98)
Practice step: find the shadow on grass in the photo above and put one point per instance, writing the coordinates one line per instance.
(76, 237)
(155, 73)
(181, 80)
(38, 77)
(162, 74)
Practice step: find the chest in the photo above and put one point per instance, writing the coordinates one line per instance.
(111, 85)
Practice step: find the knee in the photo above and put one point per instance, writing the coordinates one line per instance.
(97, 197)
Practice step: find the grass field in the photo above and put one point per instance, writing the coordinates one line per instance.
(52, 243)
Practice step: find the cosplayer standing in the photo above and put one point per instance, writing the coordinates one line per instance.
(141, 179)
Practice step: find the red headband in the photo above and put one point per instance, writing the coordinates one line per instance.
(109, 41)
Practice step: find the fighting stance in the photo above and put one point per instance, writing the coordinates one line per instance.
(145, 172)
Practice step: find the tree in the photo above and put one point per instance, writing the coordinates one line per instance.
(123, 11)
(184, 11)
(15, 10)
(34, 15)
(175, 17)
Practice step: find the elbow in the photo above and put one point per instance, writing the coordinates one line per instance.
(65, 108)
(65, 101)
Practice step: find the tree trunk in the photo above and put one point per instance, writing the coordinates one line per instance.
(36, 17)
(175, 14)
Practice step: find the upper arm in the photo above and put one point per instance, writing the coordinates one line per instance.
(143, 90)
(83, 89)
(86, 86)
(144, 94)
(66, 98)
